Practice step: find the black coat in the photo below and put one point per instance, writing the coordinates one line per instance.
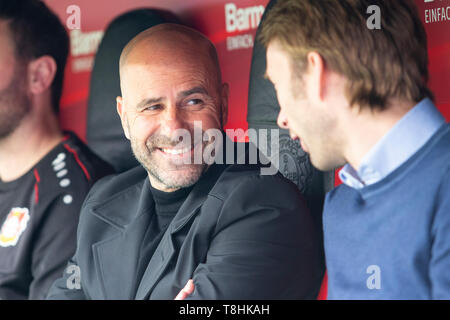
(239, 235)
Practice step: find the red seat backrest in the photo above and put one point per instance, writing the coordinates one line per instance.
(323, 288)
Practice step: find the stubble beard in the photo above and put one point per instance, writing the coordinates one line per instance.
(14, 105)
(172, 176)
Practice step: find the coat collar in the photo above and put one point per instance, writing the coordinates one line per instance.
(165, 250)
(137, 200)
(112, 210)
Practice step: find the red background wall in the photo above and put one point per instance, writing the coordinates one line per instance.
(439, 50)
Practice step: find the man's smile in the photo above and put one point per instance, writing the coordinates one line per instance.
(180, 154)
(176, 151)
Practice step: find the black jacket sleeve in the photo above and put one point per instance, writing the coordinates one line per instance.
(265, 246)
(54, 245)
(68, 285)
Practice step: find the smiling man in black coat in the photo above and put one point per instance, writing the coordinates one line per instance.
(239, 234)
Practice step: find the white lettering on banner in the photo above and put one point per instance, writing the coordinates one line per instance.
(240, 42)
(440, 13)
(241, 19)
(84, 44)
(437, 14)
(82, 64)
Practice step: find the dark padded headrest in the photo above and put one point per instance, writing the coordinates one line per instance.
(294, 163)
(263, 109)
(262, 100)
(104, 131)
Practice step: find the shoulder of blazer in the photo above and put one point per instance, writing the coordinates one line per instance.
(111, 186)
(250, 175)
(111, 195)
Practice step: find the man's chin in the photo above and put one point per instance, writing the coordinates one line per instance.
(304, 146)
(178, 177)
(324, 166)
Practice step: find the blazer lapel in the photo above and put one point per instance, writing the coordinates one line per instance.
(116, 257)
(166, 250)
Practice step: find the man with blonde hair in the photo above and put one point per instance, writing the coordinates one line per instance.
(358, 97)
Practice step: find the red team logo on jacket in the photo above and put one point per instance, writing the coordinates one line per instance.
(14, 225)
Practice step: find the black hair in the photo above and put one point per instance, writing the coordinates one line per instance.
(36, 32)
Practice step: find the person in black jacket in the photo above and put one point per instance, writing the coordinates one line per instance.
(45, 174)
(237, 233)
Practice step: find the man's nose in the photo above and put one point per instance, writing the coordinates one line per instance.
(172, 120)
(282, 121)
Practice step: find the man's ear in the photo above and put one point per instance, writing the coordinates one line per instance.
(315, 76)
(224, 99)
(41, 73)
(123, 116)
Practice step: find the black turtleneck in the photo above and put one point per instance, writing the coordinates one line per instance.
(167, 205)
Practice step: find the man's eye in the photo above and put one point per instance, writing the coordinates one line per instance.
(194, 102)
(153, 107)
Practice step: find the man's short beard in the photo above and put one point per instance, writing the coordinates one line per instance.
(173, 182)
(180, 182)
(14, 104)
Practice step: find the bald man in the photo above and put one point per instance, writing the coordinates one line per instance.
(145, 233)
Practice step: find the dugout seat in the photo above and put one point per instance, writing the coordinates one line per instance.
(294, 163)
(104, 131)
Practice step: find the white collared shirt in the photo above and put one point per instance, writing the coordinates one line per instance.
(397, 146)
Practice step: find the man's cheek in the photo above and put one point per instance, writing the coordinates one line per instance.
(214, 120)
(141, 126)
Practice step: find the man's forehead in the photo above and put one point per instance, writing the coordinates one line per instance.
(276, 58)
(270, 62)
(173, 57)
(166, 43)
(162, 80)
(153, 70)
(166, 51)
(171, 66)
